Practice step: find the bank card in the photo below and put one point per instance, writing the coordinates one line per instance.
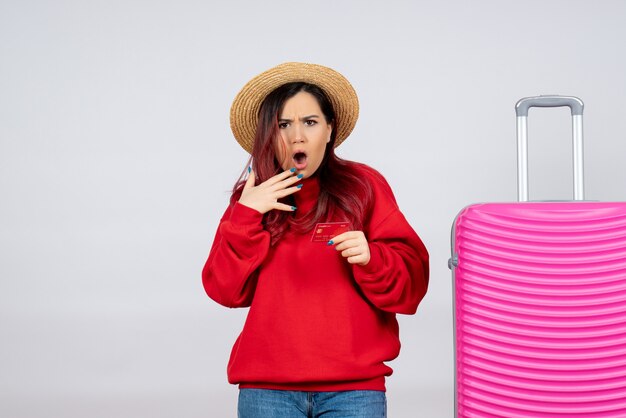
(324, 231)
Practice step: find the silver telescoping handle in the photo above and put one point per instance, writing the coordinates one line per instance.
(521, 109)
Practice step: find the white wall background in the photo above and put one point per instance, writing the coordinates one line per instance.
(116, 159)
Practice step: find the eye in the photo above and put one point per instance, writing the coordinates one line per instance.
(283, 125)
(310, 122)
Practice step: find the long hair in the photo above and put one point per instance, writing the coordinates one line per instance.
(344, 195)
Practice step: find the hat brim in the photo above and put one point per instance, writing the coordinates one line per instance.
(244, 112)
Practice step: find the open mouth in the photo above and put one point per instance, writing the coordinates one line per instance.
(299, 159)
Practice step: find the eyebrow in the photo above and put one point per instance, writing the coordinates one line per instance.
(303, 118)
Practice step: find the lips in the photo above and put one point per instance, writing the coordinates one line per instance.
(300, 160)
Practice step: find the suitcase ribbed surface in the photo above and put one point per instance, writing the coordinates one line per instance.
(540, 300)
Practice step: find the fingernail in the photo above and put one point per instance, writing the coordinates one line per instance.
(293, 208)
(300, 176)
(299, 186)
(330, 242)
(293, 170)
(249, 169)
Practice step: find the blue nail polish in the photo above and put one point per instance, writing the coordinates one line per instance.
(300, 176)
(293, 208)
(249, 169)
(299, 186)
(293, 170)
(330, 242)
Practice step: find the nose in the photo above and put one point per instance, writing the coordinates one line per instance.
(298, 135)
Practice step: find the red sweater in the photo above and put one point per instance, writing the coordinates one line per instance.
(316, 322)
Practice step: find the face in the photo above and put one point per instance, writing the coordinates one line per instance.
(304, 133)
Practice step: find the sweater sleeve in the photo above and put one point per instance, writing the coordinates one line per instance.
(396, 277)
(241, 244)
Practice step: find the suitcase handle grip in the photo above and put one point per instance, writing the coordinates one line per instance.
(574, 103)
(521, 109)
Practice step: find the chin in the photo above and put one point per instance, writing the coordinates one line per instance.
(308, 172)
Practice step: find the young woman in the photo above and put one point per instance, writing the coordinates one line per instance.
(317, 248)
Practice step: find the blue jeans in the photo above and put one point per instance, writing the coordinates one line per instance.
(266, 403)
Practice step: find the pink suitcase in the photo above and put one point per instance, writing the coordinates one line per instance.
(540, 299)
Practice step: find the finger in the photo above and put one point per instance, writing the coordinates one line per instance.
(287, 182)
(351, 242)
(351, 252)
(250, 180)
(357, 259)
(284, 207)
(280, 177)
(286, 192)
(344, 237)
(339, 238)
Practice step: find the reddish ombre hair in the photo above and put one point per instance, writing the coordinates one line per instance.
(344, 195)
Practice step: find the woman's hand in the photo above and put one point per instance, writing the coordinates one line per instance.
(264, 197)
(353, 246)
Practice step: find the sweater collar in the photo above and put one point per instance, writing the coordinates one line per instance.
(306, 198)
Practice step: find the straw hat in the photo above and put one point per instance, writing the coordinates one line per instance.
(244, 112)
